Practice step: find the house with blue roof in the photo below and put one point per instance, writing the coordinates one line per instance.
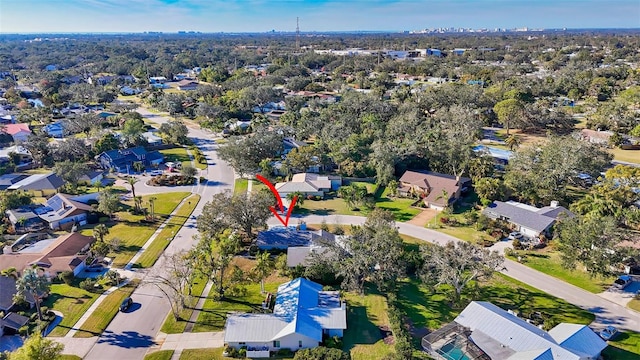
(302, 316)
(121, 160)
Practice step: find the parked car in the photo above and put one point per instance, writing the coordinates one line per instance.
(126, 304)
(622, 282)
(515, 235)
(608, 333)
(156, 172)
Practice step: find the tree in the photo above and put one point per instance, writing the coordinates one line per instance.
(70, 171)
(100, 231)
(152, 201)
(107, 142)
(480, 167)
(245, 154)
(174, 132)
(132, 181)
(132, 131)
(72, 149)
(513, 141)
(100, 249)
(353, 195)
(38, 146)
(264, 266)
(489, 189)
(212, 258)
(173, 279)
(138, 166)
(592, 242)
(37, 347)
(188, 171)
(108, 202)
(457, 265)
(509, 112)
(227, 210)
(13, 199)
(34, 284)
(300, 159)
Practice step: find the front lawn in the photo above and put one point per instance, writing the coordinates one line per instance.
(625, 346)
(160, 355)
(176, 154)
(632, 156)
(131, 231)
(548, 261)
(363, 338)
(202, 354)
(71, 301)
(173, 326)
(241, 185)
(102, 316)
(166, 235)
(634, 304)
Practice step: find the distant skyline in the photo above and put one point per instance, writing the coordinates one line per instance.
(69, 16)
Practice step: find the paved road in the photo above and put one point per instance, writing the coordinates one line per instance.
(130, 334)
(607, 312)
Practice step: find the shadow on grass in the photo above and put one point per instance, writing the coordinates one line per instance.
(360, 328)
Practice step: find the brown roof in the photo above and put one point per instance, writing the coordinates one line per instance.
(187, 83)
(60, 255)
(434, 183)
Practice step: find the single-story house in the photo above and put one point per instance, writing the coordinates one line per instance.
(122, 160)
(92, 177)
(500, 157)
(39, 184)
(280, 237)
(23, 155)
(19, 132)
(529, 220)
(11, 323)
(290, 143)
(7, 291)
(7, 180)
(157, 80)
(309, 184)
(24, 220)
(55, 129)
(595, 136)
(65, 253)
(303, 314)
(62, 211)
(128, 90)
(187, 85)
(432, 187)
(499, 334)
(320, 246)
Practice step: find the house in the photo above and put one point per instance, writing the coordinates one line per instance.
(128, 90)
(42, 185)
(290, 143)
(595, 136)
(433, 187)
(19, 132)
(157, 80)
(122, 160)
(320, 246)
(529, 220)
(11, 323)
(62, 211)
(280, 237)
(24, 220)
(92, 177)
(7, 180)
(302, 316)
(101, 79)
(55, 130)
(309, 184)
(485, 331)
(187, 85)
(7, 292)
(14, 152)
(65, 253)
(500, 157)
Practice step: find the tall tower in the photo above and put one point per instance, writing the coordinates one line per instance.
(297, 33)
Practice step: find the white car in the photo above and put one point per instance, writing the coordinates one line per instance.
(515, 235)
(622, 282)
(155, 172)
(608, 333)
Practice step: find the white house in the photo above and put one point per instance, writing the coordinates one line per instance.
(529, 220)
(309, 184)
(303, 314)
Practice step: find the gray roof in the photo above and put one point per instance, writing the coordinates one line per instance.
(7, 290)
(49, 181)
(252, 327)
(526, 340)
(7, 180)
(283, 237)
(14, 321)
(518, 215)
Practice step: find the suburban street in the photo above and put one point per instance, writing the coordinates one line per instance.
(130, 335)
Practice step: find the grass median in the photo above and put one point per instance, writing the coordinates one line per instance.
(166, 235)
(102, 316)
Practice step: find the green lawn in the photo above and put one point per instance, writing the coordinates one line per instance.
(102, 316)
(176, 154)
(548, 262)
(202, 354)
(241, 186)
(152, 253)
(634, 304)
(133, 233)
(431, 309)
(362, 337)
(72, 302)
(214, 313)
(625, 346)
(160, 355)
(173, 326)
(632, 156)
(68, 357)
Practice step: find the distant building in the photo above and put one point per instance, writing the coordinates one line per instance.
(432, 187)
(19, 132)
(121, 160)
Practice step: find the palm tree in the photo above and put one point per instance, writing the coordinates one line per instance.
(132, 181)
(263, 268)
(35, 284)
(100, 231)
(138, 166)
(12, 272)
(152, 201)
(513, 141)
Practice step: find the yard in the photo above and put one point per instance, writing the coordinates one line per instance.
(363, 337)
(153, 252)
(176, 154)
(131, 231)
(632, 156)
(242, 185)
(72, 302)
(102, 316)
(173, 326)
(202, 354)
(160, 355)
(625, 346)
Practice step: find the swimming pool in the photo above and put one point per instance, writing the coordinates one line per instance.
(453, 352)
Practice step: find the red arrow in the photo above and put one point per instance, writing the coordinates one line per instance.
(271, 187)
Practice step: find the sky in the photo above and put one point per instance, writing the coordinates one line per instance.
(69, 16)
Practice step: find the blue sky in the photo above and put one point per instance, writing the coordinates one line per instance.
(29, 16)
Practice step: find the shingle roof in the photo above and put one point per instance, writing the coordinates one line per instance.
(14, 321)
(49, 181)
(280, 236)
(7, 290)
(434, 183)
(518, 215)
(13, 129)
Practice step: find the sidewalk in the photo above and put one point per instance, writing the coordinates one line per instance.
(93, 308)
(199, 305)
(179, 342)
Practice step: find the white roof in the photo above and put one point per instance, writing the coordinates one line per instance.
(578, 338)
(523, 338)
(252, 327)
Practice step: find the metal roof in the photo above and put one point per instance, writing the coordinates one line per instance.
(578, 338)
(252, 327)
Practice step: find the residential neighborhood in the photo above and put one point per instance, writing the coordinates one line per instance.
(334, 196)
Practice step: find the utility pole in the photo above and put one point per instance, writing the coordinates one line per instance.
(297, 33)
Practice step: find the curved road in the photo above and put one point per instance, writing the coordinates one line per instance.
(607, 312)
(130, 335)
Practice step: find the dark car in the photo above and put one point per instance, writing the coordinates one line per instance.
(126, 304)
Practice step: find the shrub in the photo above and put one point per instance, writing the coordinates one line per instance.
(242, 353)
(24, 330)
(285, 352)
(444, 220)
(322, 353)
(338, 230)
(67, 277)
(88, 284)
(333, 342)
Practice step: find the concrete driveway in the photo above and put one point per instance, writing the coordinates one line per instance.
(622, 297)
